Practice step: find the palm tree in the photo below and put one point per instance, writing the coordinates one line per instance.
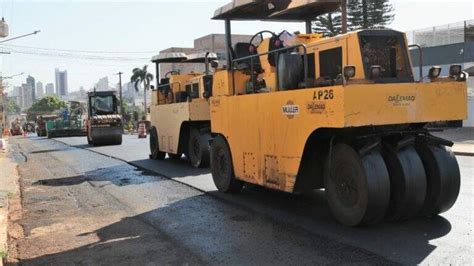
(141, 75)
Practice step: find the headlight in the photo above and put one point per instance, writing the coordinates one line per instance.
(375, 71)
(349, 71)
(455, 70)
(434, 72)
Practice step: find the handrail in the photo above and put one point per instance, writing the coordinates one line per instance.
(171, 86)
(251, 57)
(420, 58)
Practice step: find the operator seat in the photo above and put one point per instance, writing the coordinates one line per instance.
(242, 49)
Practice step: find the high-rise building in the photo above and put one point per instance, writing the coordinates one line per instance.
(25, 96)
(49, 89)
(61, 83)
(103, 84)
(39, 90)
(31, 81)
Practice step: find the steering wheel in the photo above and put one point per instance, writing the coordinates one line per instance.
(260, 34)
(171, 73)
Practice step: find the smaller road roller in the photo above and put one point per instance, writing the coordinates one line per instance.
(104, 123)
(180, 110)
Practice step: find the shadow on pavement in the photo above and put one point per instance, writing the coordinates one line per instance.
(118, 175)
(171, 168)
(257, 226)
(199, 230)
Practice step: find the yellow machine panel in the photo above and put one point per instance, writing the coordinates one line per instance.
(277, 125)
(168, 119)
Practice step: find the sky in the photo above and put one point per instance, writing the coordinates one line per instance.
(129, 33)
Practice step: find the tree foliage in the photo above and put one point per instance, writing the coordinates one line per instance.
(45, 105)
(361, 14)
(369, 14)
(141, 76)
(12, 106)
(328, 25)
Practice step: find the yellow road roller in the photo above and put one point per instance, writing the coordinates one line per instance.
(298, 112)
(180, 110)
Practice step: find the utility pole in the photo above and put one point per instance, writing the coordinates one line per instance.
(120, 95)
(344, 16)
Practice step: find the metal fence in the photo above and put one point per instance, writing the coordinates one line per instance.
(442, 35)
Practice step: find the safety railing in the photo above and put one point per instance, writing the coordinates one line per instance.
(420, 57)
(171, 90)
(276, 52)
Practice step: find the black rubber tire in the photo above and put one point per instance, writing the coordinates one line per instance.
(443, 178)
(175, 156)
(357, 189)
(198, 148)
(407, 182)
(118, 140)
(221, 167)
(155, 152)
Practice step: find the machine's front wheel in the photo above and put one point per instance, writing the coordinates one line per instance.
(198, 148)
(408, 182)
(155, 152)
(357, 188)
(222, 168)
(443, 178)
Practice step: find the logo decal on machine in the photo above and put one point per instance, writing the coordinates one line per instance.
(401, 100)
(291, 109)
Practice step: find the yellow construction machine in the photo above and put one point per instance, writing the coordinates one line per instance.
(180, 110)
(297, 112)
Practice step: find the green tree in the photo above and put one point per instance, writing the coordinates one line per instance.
(369, 14)
(141, 76)
(328, 25)
(361, 14)
(45, 105)
(12, 106)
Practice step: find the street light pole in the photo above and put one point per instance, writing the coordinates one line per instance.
(120, 91)
(21, 36)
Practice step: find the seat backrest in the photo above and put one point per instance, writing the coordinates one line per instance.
(242, 49)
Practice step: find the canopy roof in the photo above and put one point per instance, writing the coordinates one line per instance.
(183, 58)
(276, 10)
(169, 58)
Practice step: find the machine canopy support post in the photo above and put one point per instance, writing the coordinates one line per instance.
(308, 27)
(228, 43)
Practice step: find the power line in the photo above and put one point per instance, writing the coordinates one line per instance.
(78, 51)
(77, 56)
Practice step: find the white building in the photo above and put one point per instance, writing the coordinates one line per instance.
(61, 83)
(25, 96)
(49, 89)
(39, 90)
(102, 84)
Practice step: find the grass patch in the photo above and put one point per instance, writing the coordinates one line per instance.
(10, 195)
(3, 254)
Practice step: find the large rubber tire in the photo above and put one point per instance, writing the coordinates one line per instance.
(357, 189)
(155, 152)
(118, 140)
(221, 167)
(443, 178)
(198, 148)
(407, 181)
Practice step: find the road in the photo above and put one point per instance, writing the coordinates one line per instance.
(87, 204)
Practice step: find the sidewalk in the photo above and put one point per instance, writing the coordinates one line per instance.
(463, 139)
(8, 187)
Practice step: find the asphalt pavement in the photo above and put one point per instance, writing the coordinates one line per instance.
(258, 225)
